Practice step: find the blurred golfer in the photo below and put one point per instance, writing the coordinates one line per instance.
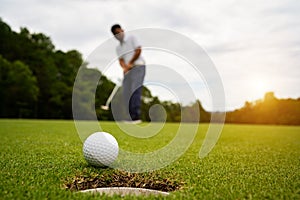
(133, 65)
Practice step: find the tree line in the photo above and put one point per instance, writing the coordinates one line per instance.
(269, 110)
(36, 81)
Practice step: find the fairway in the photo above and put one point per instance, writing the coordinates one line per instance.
(39, 157)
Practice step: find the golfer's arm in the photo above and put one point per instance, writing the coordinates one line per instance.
(137, 53)
(122, 63)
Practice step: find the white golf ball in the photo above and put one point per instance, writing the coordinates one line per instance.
(100, 149)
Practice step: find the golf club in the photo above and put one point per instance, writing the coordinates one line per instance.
(111, 96)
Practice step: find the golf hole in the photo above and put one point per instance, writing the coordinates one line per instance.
(123, 183)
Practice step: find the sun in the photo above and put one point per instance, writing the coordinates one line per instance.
(259, 86)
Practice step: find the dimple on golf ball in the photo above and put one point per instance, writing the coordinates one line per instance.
(100, 149)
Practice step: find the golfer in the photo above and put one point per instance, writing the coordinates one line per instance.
(133, 65)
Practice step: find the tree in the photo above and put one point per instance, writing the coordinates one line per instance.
(21, 91)
(195, 113)
(85, 93)
(54, 70)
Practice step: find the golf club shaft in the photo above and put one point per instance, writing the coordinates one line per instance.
(112, 95)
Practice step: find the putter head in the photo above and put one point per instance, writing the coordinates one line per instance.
(103, 107)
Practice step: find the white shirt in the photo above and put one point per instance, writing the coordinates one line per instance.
(126, 49)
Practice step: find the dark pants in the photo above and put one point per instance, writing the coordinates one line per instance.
(132, 92)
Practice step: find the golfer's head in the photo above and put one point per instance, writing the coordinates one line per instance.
(118, 32)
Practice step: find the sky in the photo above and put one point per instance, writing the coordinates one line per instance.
(253, 44)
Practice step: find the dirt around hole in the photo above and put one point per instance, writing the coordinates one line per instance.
(123, 179)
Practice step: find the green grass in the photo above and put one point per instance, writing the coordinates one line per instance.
(249, 162)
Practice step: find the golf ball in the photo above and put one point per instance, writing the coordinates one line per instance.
(100, 149)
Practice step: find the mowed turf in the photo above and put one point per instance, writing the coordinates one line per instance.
(38, 158)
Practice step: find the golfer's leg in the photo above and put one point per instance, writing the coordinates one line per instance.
(126, 95)
(137, 86)
(135, 104)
